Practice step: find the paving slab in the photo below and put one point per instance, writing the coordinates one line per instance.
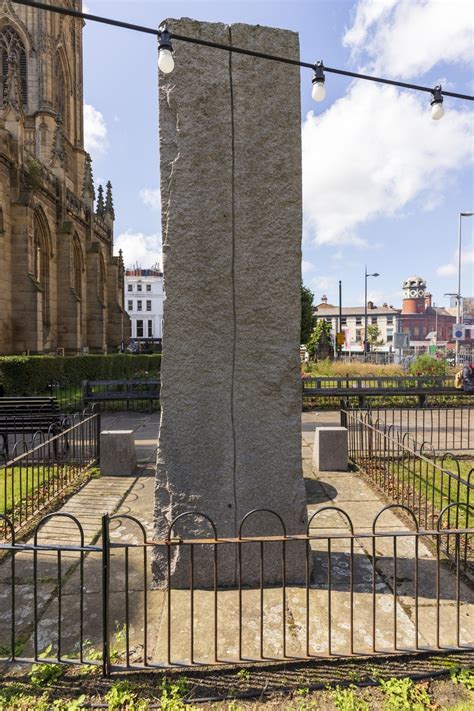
(327, 618)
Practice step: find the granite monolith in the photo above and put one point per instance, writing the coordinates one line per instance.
(230, 433)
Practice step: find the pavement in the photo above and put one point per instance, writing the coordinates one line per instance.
(319, 620)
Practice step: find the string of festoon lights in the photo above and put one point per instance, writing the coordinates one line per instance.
(166, 60)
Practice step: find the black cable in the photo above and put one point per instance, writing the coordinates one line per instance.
(228, 48)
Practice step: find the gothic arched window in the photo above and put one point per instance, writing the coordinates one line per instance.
(61, 92)
(76, 267)
(12, 47)
(102, 285)
(41, 264)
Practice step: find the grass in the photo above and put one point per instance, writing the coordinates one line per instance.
(436, 487)
(18, 483)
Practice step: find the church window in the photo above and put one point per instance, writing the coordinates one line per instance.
(12, 46)
(61, 93)
(41, 265)
(102, 285)
(76, 267)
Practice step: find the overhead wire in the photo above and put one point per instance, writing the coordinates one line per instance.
(231, 48)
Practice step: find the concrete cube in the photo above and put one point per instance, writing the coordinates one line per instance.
(330, 452)
(117, 453)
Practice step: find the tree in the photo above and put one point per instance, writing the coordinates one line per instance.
(373, 333)
(319, 343)
(307, 318)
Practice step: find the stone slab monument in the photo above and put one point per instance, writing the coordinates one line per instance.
(230, 434)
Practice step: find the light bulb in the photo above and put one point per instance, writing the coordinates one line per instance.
(319, 91)
(437, 111)
(165, 60)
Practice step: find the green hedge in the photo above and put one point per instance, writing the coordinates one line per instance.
(31, 375)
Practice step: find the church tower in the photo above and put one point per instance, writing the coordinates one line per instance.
(61, 287)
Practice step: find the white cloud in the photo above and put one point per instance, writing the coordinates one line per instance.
(151, 197)
(446, 270)
(95, 130)
(371, 153)
(322, 282)
(139, 248)
(405, 38)
(467, 257)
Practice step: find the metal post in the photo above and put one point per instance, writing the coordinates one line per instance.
(458, 314)
(460, 317)
(365, 315)
(105, 596)
(340, 307)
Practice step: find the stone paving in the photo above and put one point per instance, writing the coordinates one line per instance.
(324, 611)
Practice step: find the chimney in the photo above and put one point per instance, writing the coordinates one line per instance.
(370, 304)
(427, 301)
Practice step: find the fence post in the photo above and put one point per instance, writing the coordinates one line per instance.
(105, 595)
(97, 441)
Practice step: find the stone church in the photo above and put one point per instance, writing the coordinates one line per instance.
(60, 285)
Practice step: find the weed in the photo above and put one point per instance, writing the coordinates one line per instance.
(346, 699)
(243, 675)
(23, 702)
(71, 705)
(404, 695)
(172, 693)
(117, 647)
(121, 695)
(43, 673)
(233, 706)
(463, 675)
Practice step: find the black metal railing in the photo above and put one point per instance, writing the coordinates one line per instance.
(384, 390)
(444, 428)
(379, 590)
(413, 475)
(41, 468)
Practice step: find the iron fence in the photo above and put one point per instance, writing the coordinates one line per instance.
(379, 590)
(444, 428)
(413, 475)
(41, 468)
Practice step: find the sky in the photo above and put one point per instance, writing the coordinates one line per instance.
(383, 184)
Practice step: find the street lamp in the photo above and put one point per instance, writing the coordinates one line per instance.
(366, 335)
(459, 316)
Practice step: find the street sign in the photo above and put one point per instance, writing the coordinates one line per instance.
(458, 331)
(401, 340)
(340, 338)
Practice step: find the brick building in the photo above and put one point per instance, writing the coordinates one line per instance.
(61, 286)
(419, 317)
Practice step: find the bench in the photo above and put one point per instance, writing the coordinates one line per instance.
(96, 391)
(363, 392)
(27, 415)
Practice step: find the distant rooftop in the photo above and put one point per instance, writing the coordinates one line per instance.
(153, 272)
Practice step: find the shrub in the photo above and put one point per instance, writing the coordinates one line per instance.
(427, 365)
(31, 375)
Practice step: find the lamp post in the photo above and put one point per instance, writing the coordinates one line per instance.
(366, 335)
(459, 317)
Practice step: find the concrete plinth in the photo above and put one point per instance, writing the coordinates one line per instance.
(117, 453)
(230, 435)
(330, 452)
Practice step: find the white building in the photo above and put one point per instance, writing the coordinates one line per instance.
(144, 303)
(353, 323)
